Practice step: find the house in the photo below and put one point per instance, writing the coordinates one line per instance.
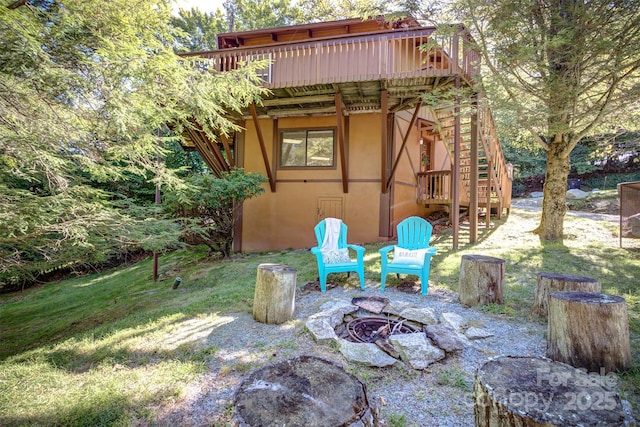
(346, 131)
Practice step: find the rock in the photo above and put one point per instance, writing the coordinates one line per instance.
(474, 333)
(416, 350)
(420, 315)
(372, 304)
(321, 329)
(454, 320)
(396, 307)
(576, 194)
(366, 353)
(444, 336)
(335, 311)
(536, 194)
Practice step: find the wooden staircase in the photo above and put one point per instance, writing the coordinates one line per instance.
(493, 174)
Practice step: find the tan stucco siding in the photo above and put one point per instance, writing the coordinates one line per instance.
(285, 219)
(405, 188)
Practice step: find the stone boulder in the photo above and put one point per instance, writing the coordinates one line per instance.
(416, 350)
(366, 353)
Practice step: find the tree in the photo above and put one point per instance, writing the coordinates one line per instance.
(246, 15)
(208, 210)
(199, 29)
(85, 85)
(570, 69)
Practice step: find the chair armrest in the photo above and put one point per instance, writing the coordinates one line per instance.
(357, 248)
(386, 249)
(428, 255)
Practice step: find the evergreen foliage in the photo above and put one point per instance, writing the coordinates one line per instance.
(85, 87)
(207, 211)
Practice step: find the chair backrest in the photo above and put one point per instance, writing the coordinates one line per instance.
(321, 228)
(414, 233)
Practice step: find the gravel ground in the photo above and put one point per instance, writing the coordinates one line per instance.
(439, 396)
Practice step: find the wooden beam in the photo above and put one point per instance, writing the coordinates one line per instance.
(276, 102)
(384, 111)
(217, 154)
(204, 151)
(341, 148)
(301, 111)
(455, 181)
(227, 149)
(404, 142)
(263, 149)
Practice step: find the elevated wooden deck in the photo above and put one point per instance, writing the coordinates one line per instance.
(304, 76)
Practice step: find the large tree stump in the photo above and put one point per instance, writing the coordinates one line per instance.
(275, 294)
(305, 391)
(588, 330)
(481, 280)
(553, 282)
(514, 391)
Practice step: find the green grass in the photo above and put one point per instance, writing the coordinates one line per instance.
(110, 348)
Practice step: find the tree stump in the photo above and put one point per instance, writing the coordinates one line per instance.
(553, 282)
(275, 294)
(305, 391)
(588, 330)
(514, 391)
(481, 280)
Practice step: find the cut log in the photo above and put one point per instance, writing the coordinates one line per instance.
(481, 280)
(588, 330)
(512, 391)
(553, 282)
(275, 294)
(304, 391)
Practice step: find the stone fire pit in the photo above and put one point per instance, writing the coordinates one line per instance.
(403, 332)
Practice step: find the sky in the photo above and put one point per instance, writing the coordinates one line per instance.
(203, 5)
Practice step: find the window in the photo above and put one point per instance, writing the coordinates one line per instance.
(307, 148)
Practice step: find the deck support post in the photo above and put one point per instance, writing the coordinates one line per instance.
(404, 143)
(473, 171)
(341, 144)
(455, 181)
(384, 112)
(263, 149)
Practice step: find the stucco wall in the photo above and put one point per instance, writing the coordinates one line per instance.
(285, 219)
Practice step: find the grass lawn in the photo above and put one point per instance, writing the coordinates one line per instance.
(108, 348)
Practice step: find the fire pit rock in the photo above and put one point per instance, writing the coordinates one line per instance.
(302, 391)
(396, 331)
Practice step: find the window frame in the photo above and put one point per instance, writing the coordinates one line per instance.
(281, 133)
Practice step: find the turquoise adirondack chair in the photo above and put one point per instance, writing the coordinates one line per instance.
(412, 254)
(332, 252)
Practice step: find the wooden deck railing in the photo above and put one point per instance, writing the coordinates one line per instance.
(501, 181)
(362, 57)
(434, 187)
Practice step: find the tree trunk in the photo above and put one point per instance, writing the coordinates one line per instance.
(554, 203)
(481, 280)
(553, 282)
(274, 297)
(513, 391)
(303, 391)
(588, 330)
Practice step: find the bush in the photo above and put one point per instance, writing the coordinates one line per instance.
(207, 211)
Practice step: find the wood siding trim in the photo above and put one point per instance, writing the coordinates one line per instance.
(263, 149)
